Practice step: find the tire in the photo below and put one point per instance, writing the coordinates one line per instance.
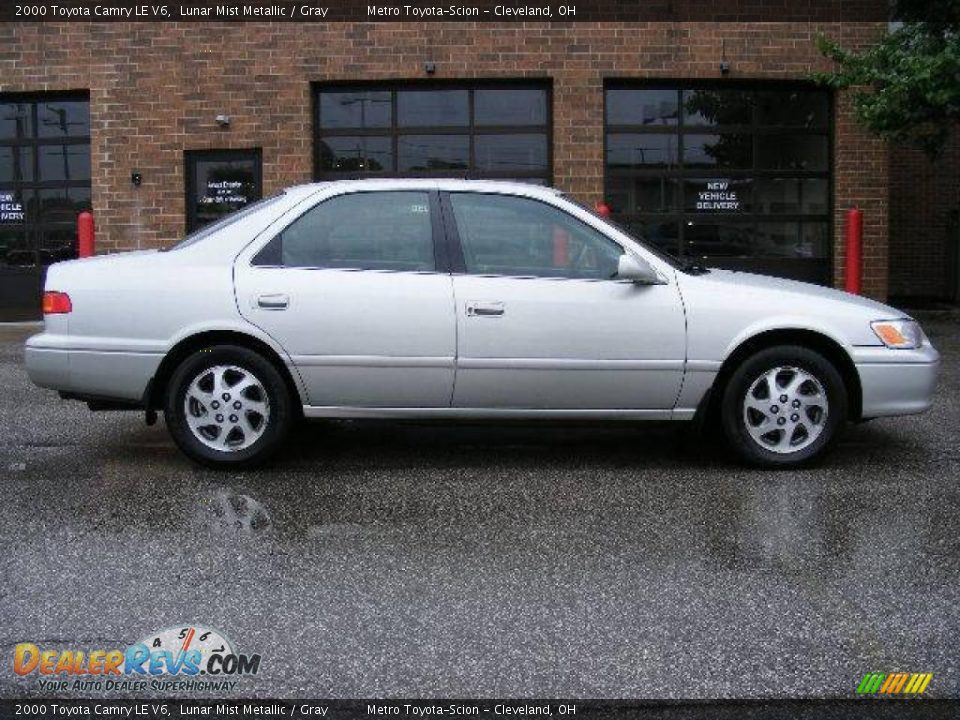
(802, 418)
(226, 406)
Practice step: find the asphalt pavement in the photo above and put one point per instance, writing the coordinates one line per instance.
(403, 560)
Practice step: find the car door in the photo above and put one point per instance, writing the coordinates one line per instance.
(543, 323)
(355, 293)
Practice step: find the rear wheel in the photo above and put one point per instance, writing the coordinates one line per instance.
(227, 406)
(783, 406)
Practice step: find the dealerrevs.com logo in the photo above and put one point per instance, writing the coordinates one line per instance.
(185, 658)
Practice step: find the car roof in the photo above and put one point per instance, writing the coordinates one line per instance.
(448, 184)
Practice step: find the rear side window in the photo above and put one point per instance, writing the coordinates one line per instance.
(504, 235)
(360, 231)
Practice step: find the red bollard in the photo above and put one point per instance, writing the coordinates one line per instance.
(603, 210)
(854, 246)
(85, 234)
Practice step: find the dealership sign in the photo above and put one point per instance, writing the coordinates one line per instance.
(717, 195)
(11, 209)
(225, 192)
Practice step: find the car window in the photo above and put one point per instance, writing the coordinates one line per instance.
(208, 230)
(363, 231)
(504, 235)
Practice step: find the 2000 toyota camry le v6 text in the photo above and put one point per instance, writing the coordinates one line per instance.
(460, 299)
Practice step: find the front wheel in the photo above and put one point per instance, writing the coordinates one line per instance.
(227, 406)
(783, 407)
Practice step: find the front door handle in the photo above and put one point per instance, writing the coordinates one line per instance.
(478, 308)
(273, 302)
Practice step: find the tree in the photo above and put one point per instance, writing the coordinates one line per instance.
(907, 86)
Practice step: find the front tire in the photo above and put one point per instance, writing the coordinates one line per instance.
(783, 407)
(228, 407)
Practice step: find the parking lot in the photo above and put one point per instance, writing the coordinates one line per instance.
(403, 560)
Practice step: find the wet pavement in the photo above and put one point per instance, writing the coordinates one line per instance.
(379, 559)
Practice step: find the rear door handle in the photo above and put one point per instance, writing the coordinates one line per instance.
(479, 308)
(273, 302)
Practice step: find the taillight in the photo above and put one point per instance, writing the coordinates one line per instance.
(56, 303)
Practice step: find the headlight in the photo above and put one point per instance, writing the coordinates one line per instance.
(898, 334)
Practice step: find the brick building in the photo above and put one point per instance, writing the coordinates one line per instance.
(705, 137)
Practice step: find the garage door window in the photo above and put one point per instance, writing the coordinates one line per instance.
(737, 176)
(477, 131)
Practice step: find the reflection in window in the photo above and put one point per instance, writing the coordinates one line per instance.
(349, 109)
(432, 108)
(360, 231)
(63, 118)
(16, 121)
(361, 153)
(792, 152)
(717, 107)
(503, 235)
(511, 152)
(510, 106)
(16, 164)
(733, 152)
(63, 162)
(642, 107)
(636, 151)
(797, 108)
(433, 152)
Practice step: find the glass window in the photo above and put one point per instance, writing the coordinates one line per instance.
(62, 205)
(638, 151)
(63, 162)
(15, 250)
(16, 164)
(511, 153)
(220, 182)
(731, 152)
(714, 238)
(356, 110)
(642, 107)
(633, 195)
(744, 173)
(63, 118)
(413, 130)
(717, 107)
(797, 108)
(433, 152)
(510, 106)
(57, 244)
(16, 121)
(792, 152)
(362, 231)
(503, 235)
(432, 108)
(360, 153)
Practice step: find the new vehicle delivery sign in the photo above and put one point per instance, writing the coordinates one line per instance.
(11, 209)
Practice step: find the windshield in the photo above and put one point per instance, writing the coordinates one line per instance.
(207, 230)
(666, 257)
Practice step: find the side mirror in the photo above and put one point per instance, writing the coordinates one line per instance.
(637, 270)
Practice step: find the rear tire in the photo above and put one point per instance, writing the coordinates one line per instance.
(226, 406)
(783, 407)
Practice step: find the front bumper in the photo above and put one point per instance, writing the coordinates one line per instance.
(897, 382)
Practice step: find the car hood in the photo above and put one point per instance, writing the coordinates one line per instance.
(779, 287)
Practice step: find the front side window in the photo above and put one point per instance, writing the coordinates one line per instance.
(360, 231)
(503, 235)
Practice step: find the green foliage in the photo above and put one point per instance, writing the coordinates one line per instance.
(907, 86)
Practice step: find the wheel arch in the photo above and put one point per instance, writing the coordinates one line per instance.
(187, 346)
(811, 339)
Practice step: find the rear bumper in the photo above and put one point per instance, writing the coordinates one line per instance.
(897, 382)
(115, 375)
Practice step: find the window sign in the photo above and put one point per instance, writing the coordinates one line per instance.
(220, 182)
(11, 209)
(718, 196)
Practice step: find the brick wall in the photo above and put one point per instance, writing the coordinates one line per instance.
(156, 89)
(924, 200)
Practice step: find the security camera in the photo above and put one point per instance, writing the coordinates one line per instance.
(223, 120)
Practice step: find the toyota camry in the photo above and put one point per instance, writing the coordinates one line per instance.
(455, 299)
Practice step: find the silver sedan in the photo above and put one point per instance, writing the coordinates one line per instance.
(452, 299)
